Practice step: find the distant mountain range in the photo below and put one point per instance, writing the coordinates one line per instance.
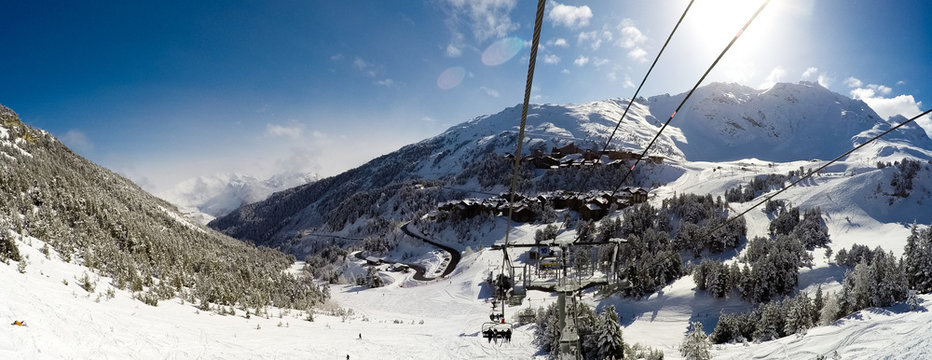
(206, 197)
(721, 122)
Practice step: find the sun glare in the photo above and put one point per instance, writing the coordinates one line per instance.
(713, 23)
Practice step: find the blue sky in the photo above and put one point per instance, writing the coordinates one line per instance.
(162, 91)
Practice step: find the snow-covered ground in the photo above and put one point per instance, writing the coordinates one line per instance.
(441, 319)
(404, 320)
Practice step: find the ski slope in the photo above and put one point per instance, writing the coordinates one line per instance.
(441, 319)
(406, 319)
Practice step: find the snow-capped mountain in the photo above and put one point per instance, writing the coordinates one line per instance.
(787, 122)
(721, 122)
(206, 197)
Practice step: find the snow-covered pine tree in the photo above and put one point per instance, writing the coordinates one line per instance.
(696, 344)
(861, 289)
(830, 311)
(817, 305)
(798, 314)
(888, 281)
(608, 334)
(919, 259)
(772, 322)
(8, 249)
(812, 230)
(913, 301)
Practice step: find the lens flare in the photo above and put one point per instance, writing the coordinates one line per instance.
(502, 50)
(451, 78)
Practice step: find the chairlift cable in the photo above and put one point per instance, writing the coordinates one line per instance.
(701, 79)
(856, 148)
(636, 92)
(538, 22)
(535, 41)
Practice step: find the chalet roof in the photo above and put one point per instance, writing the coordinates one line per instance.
(598, 200)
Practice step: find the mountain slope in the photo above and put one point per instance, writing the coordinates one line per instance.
(89, 214)
(722, 122)
(466, 156)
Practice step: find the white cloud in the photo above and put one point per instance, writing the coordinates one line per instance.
(853, 82)
(565, 71)
(594, 38)
(900, 83)
(824, 80)
(638, 54)
(631, 36)
(589, 37)
(293, 132)
(77, 140)
(581, 60)
(821, 77)
(551, 59)
(810, 72)
(559, 42)
(453, 51)
(597, 61)
(628, 83)
(882, 90)
(366, 68)
(489, 92)
(389, 83)
(906, 105)
(360, 64)
(774, 77)
(573, 17)
(485, 18)
(336, 57)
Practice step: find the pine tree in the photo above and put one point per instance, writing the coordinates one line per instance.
(608, 333)
(772, 322)
(696, 345)
(798, 314)
(913, 257)
(912, 299)
(830, 311)
(817, 305)
(8, 249)
(812, 230)
(727, 329)
(845, 299)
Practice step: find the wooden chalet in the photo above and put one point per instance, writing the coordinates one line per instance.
(568, 149)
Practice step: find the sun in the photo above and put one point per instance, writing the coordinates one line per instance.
(713, 23)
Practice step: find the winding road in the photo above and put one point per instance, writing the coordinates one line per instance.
(455, 255)
(419, 271)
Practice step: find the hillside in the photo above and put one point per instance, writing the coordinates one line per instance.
(91, 216)
(723, 122)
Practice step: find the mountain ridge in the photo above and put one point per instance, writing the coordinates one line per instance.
(779, 126)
